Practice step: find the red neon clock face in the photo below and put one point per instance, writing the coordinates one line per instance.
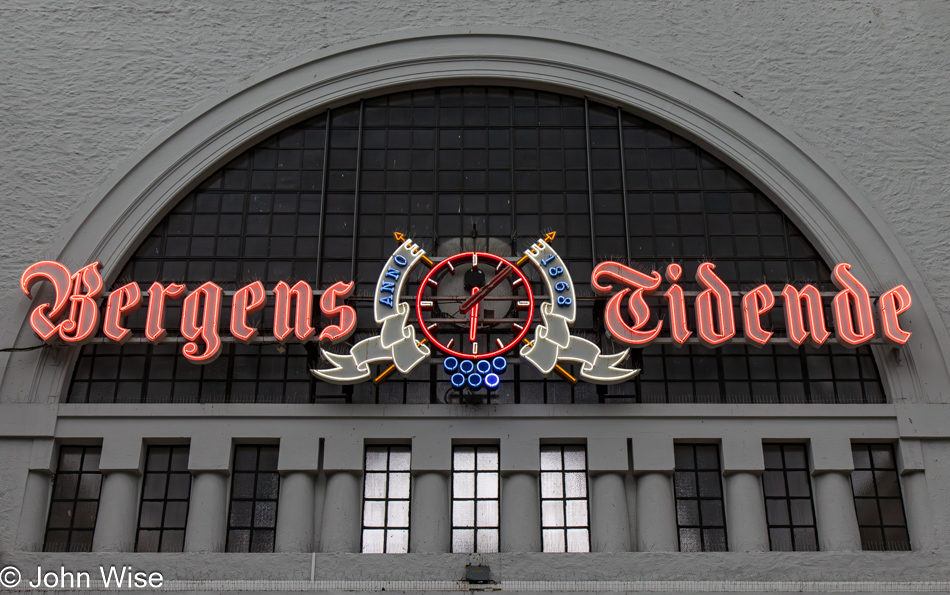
(475, 305)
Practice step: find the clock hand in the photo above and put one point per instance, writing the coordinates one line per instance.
(473, 320)
(479, 294)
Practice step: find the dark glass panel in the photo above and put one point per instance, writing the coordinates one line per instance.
(272, 214)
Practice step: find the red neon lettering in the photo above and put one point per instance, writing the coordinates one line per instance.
(304, 299)
(328, 305)
(155, 319)
(608, 271)
(642, 285)
(207, 330)
(43, 316)
(708, 321)
(677, 305)
(892, 303)
(816, 333)
(247, 300)
(854, 325)
(639, 310)
(83, 309)
(122, 302)
(76, 293)
(754, 304)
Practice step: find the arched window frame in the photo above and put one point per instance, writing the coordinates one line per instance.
(841, 224)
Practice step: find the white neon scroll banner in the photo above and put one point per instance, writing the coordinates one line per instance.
(553, 342)
(396, 341)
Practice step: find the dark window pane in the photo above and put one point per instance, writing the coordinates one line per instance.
(75, 502)
(264, 216)
(253, 506)
(699, 504)
(788, 498)
(164, 506)
(878, 503)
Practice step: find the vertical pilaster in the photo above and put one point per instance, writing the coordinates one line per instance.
(342, 507)
(747, 526)
(319, 499)
(653, 465)
(36, 495)
(608, 464)
(936, 455)
(206, 530)
(520, 518)
(916, 492)
(630, 483)
(298, 464)
(209, 460)
(295, 512)
(520, 512)
(430, 518)
(121, 467)
(832, 464)
(609, 524)
(341, 512)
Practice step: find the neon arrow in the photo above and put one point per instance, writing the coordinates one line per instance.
(473, 320)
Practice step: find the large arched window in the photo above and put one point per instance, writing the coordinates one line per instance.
(461, 167)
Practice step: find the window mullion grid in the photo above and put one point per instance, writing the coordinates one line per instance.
(257, 469)
(323, 198)
(877, 499)
(666, 350)
(623, 184)
(564, 499)
(168, 466)
(386, 503)
(699, 501)
(692, 378)
(72, 518)
(590, 184)
(475, 523)
(788, 497)
(511, 167)
(356, 193)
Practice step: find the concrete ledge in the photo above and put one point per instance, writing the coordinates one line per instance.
(767, 567)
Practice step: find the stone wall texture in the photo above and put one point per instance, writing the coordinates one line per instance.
(85, 84)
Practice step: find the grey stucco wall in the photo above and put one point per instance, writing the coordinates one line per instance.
(15, 457)
(864, 83)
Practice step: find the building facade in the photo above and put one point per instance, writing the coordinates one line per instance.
(538, 304)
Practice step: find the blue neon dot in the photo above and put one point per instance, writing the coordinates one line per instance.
(467, 366)
(500, 364)
(483, 366)
(492, 381)
(457, 380)
(474, 380)
(450, 364)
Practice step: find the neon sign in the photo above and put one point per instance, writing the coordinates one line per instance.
(852, 309)
(475, 308)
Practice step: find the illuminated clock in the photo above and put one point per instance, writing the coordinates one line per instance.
(475, 306)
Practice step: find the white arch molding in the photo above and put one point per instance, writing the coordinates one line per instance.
(840, 222)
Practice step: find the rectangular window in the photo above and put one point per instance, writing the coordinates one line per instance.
(697, 483)
(254, 488)
(789, 504)
(564, 513)
(386, 490)
(75, 502)
(877, 498)
(165, 492)
(474, 499)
